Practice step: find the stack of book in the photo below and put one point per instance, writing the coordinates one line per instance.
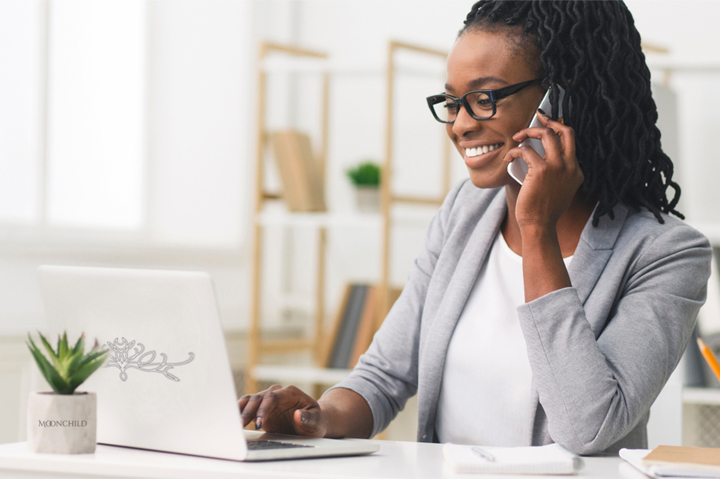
(356, 322)
(675, 461)
(300, 175)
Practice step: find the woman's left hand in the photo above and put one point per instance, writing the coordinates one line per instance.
(552, 181)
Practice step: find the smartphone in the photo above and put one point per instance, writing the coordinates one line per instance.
(518, 168)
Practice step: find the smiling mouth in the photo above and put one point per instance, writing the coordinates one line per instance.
(472, 152)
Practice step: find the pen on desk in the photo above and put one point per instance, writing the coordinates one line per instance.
(484, 454)
(709, 357)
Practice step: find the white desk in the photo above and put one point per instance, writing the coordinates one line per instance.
(396, 460)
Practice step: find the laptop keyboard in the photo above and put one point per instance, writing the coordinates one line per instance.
(262, 445)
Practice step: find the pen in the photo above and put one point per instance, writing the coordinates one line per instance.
(709, 357)
(484, 454)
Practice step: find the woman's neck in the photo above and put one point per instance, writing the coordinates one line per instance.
(569, 227)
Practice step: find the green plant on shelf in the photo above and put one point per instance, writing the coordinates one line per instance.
(67, 367)
(366, 173)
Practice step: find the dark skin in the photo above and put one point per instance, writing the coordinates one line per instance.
(543, 224)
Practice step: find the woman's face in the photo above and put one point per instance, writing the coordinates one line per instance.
(490, 60)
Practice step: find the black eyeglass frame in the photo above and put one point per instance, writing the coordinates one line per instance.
(495, 96)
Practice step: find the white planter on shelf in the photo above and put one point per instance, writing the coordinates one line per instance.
(367, 199)
(62, 423)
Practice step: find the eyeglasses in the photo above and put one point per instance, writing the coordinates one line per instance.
(480, 104)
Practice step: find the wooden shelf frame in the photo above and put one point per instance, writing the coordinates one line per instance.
(387, 198)
(256, 345)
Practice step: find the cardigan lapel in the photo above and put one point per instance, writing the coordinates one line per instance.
(433, 354)
(594, 250)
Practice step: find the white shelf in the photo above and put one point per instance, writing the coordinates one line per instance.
(286, 218)
(416, 218)
(295, 302)
(312, 66)
(683, 65)
(299, 374)
(318, 65)
(707, 396)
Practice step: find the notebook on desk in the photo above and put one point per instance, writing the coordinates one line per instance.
(550, 459)
(167, 384)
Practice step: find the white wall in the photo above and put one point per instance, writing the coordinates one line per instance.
(689, 31)
(20, 141)
(199, 109)
(95, 114)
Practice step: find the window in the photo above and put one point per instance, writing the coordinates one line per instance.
(96, 85)
(128, 116)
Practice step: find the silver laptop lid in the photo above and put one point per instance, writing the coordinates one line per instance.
(167, 384)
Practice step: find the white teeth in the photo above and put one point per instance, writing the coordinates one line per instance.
(480, 150)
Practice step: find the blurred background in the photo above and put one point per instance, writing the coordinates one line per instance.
(129, 137)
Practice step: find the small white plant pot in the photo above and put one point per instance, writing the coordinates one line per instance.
(367, 199)
(62, 423)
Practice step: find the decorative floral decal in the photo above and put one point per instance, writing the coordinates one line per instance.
(127, 355)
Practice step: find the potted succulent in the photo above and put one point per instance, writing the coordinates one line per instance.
(366, 178)
(64, 421)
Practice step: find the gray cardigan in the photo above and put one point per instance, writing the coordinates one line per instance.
(600, 351)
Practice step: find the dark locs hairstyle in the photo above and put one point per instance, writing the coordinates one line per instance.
(592, 50)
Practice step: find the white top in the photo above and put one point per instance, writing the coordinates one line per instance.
(485, 393)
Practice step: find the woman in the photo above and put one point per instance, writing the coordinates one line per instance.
(551, 312)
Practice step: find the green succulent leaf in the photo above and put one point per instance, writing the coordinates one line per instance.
(67, 367)
(41, 361)
(79, 345)
(63, 347)
(92, 355)
(53, 357)
(85, 371)
(56, 382)
(74, 363)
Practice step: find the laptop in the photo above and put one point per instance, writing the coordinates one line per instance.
(167, 384)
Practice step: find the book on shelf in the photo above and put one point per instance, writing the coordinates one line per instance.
(355, 324)
(345, 339)
(302, 182)
(366, 326)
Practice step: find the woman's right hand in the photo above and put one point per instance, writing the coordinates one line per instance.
(283, 410)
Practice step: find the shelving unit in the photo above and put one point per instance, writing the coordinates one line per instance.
(258, 346)
(300, 374)
(387, 197)
(705, 396)
(307, 61)
(331, 220)
(701, 417)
